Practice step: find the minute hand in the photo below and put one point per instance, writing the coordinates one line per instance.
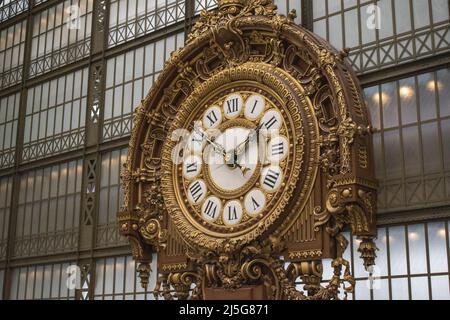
(242, 146)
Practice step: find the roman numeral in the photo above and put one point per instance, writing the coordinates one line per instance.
(232, 105)
(191, 167)
(210, 209)
(196, 191)
(277, 149)
(212, 117)
(269, 124)
(271, 178)
(256, 205)
(232, 214)
(254, 107)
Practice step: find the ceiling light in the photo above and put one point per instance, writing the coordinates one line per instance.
(406, 92)
(413, 236)
(431, 85)
(381, 96)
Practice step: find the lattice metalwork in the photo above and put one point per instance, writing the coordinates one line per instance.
(116, 279)
(61, 35)
(94, 108)
(55, 116)
(101, 14)
(205, 5)
(9, 114)
(386, 35)
(128, 76)
(41, 282)
(110, 198)
(90, 188)
(49, 210)
(85, 281)
(37, 2)
(5, 211)
(412, 147)
(11, 8)
(12, 49)
(130, 19)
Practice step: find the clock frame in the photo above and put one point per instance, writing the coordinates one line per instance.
(284, 95)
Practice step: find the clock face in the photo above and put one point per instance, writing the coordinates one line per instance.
(239, 158)
(235, 161)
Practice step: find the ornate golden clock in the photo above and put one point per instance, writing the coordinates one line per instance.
(254, 144)
(241, 161)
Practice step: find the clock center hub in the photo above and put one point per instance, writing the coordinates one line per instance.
(233, 171)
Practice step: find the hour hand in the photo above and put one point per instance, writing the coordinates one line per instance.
(217, 147)
(243, 169)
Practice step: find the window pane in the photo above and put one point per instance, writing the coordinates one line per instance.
(443, 85)
(393, 154)
(400, 289)
(417, 249)
(362, 291)
(431, 149)
(411, 150)
(388, 99)
(382, 262)
(398, 250)
(440, 288)
(437, 247)
(419, 288)
(381, 290)
(407, 89)
(427, 86)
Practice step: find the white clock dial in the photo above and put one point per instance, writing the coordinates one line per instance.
(197, 191)
(255, 202)
(212, 118)
(272, 121)
(277, 149)
(271, 179)
(254, 107)
(224, 176)
(232, 213)
(232, 107)
(192, 166)
(211, 209)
